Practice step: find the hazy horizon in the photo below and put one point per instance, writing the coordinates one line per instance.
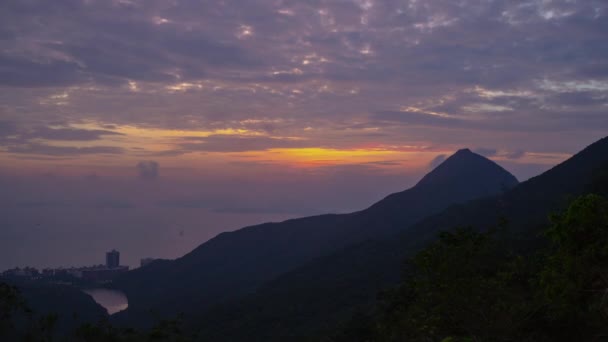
(162, 219)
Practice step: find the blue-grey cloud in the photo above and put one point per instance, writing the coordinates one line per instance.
(515, 154)
(19, 137)
(437, 161)
(67, 134)
(7, 128)
(51, 150)
(486, 152)
(148, 169)
(237, 143)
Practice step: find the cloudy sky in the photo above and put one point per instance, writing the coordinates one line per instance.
(281, 108)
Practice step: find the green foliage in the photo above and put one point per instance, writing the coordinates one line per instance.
(103, 331)
(19, 323)
(11, 303)
(574, 280)
(463, 286)
(471, 286)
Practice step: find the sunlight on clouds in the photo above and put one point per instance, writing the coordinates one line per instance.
(184, 86)
(311, 157)
(286, 11)
(537, 158)
(294, 71)
(155, 140)
(435, 21)
(158, 140)
(244, 31)
(423, 111)
(160, 20)
(486, 107)
(310, 59)
(133, 86)
(490, 94)
(61, 99)
(324, 89)
(366, 50)
(574, 86)
(134, 131)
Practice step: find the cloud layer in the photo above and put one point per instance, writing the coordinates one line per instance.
(147, 169)
(133, 79)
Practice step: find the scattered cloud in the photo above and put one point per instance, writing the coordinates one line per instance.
(486, 152)
(437, 161)
(501, 154)
(148, 170)
(52, 150)
(238, 143)
(515, 154)
(334, 75)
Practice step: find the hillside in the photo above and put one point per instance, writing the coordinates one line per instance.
(71, 306)
(234, 264)
(314, 298)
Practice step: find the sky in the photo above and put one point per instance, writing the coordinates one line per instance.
(153, 125)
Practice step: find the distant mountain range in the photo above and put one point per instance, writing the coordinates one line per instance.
(236, 264)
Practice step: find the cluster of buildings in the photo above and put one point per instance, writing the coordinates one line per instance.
(97, 273)
(105, 272)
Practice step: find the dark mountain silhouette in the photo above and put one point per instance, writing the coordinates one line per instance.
(313, 299)
(236, 263)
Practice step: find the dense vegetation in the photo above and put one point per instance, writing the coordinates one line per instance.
(18, 322)
(471, 286)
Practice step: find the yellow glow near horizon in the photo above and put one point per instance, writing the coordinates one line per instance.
(312, 153)
(152, 132)
(315, 156)
(163, 145)
(161, 140)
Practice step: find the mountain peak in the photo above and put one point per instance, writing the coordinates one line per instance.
(464, 176)
(463, 151)
(466, 167)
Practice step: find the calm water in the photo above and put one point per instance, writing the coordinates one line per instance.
(64, 237)
(112, 300)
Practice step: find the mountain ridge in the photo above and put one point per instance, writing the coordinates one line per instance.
(235, 263)
(315, 297)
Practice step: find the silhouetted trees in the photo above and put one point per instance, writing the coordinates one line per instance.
(471, 286)
(19, 323)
